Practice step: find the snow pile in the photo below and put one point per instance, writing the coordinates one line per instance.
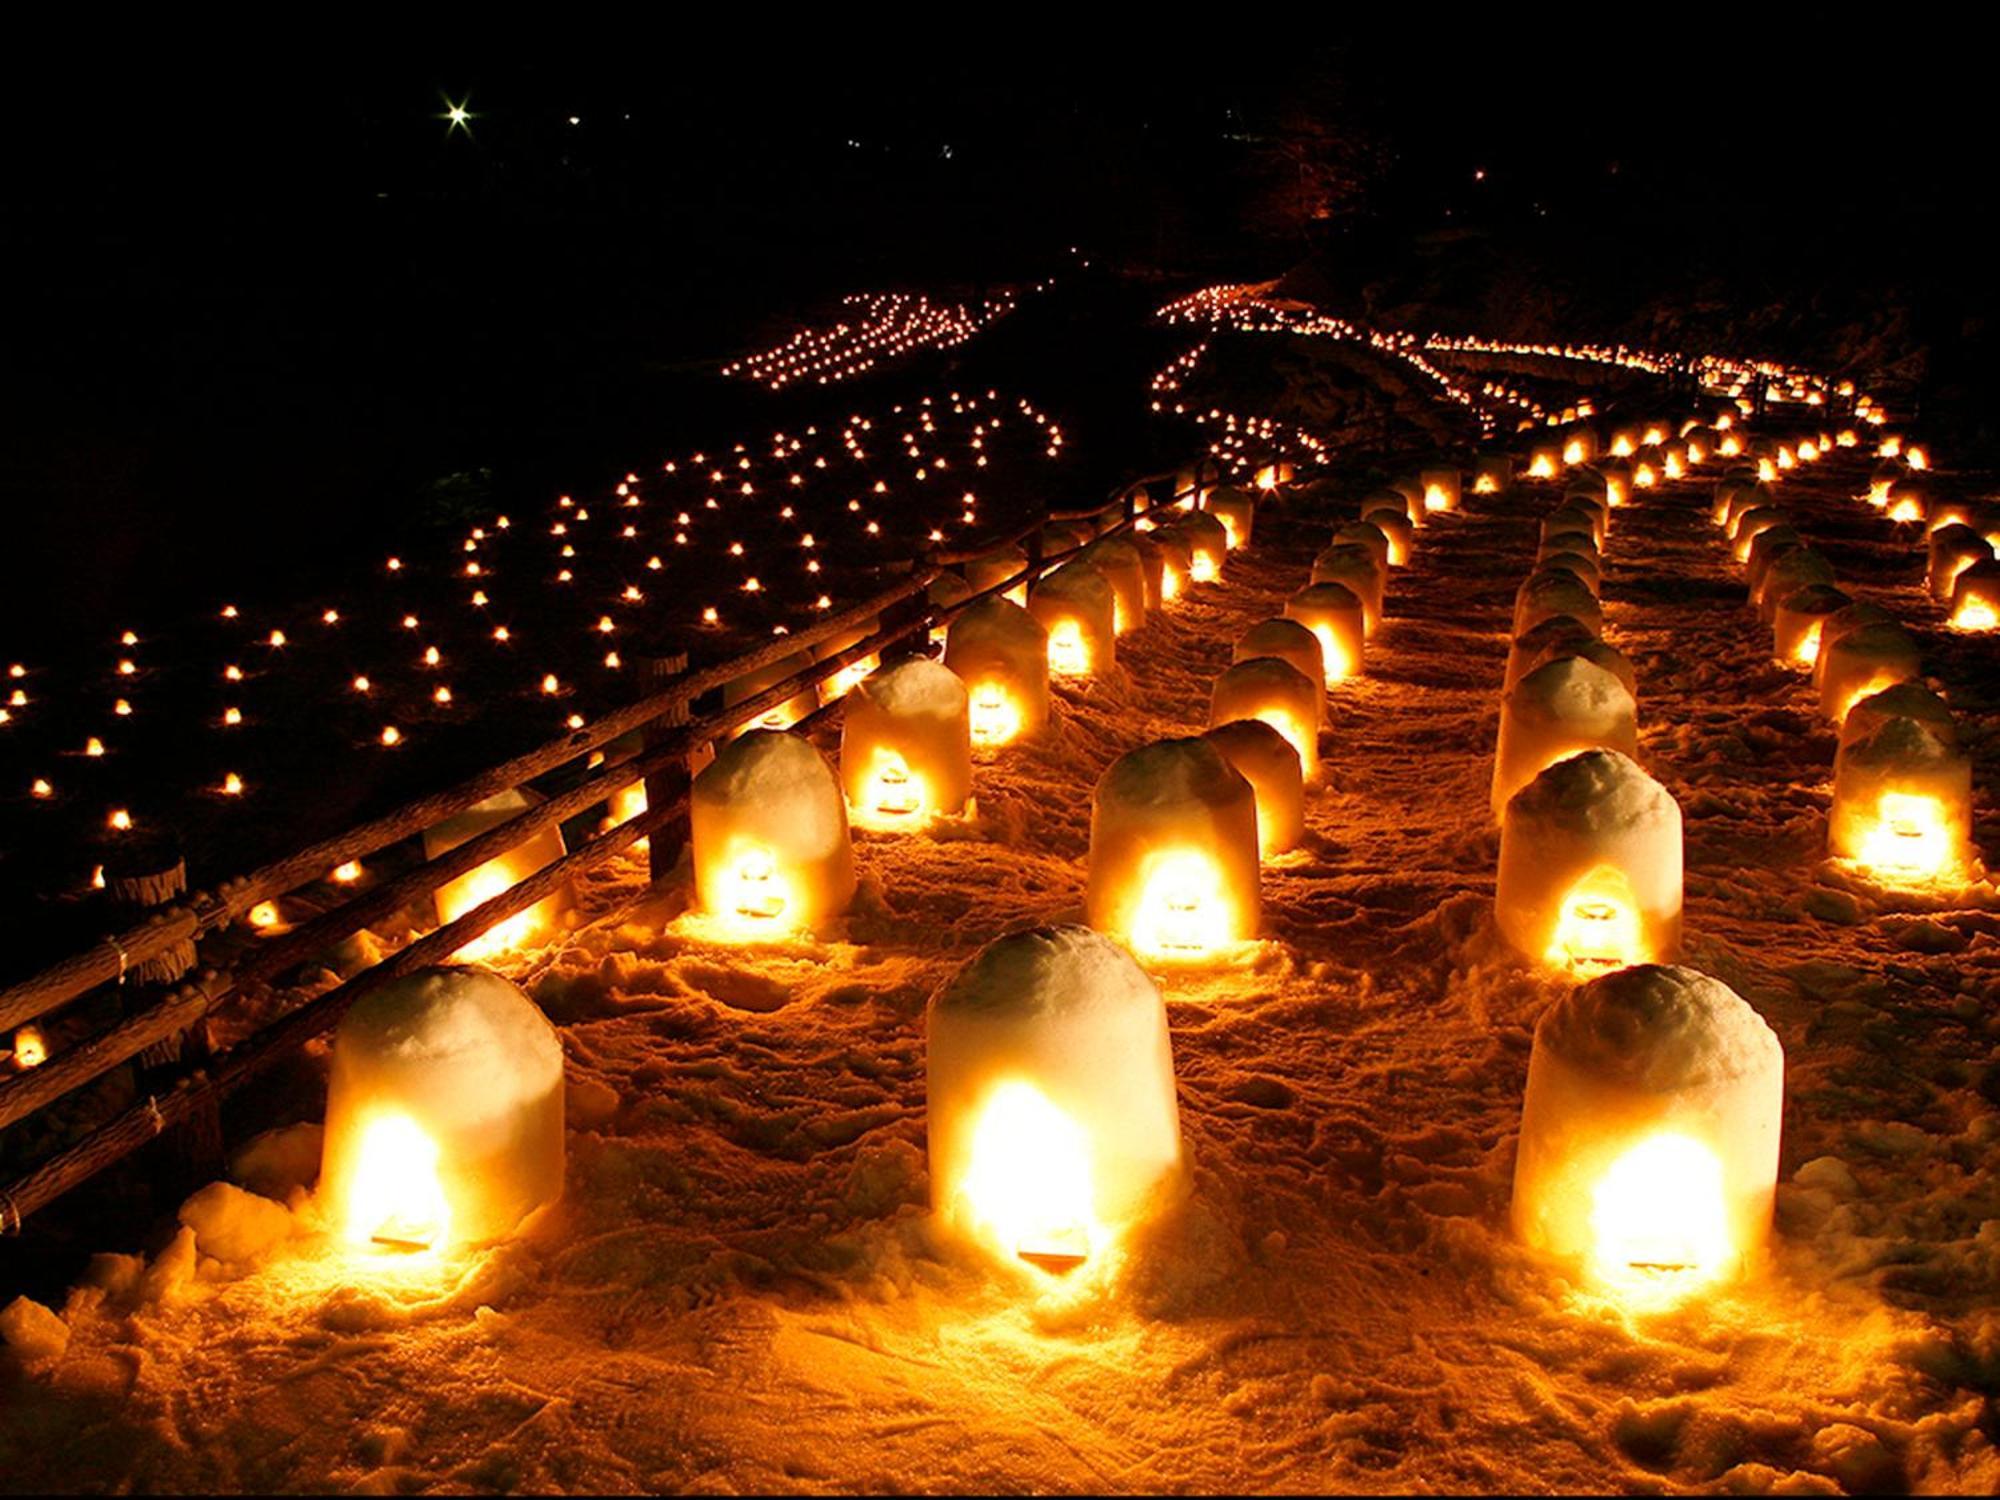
(1567, 705)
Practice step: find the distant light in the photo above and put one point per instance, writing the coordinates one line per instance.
(457, 115)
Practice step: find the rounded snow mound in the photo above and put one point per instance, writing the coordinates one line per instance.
(1659, 1027)
(1572, 690)
(1172, 772)
(1597, 791)
(915, 687)
(470, 1022)
(1058, 970)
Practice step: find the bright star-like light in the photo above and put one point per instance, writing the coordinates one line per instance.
(457, 116)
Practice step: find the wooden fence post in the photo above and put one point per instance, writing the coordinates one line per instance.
(663, 848)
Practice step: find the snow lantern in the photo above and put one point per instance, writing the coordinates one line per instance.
(1287, 640)
(1388, 502)
(1907, 501)
(840, 682)
(1975, 596)
(1492, 473)
(1734, 492)
(1605, 657)
(1555, 556)
(1176, 562)
(1173, 852)
(1079, 609)
(772, 854)
(1063, 537)
(1797, 619)
(1334, 613)
(1552, 592)
(482, 883)
(1367, 535)
(945, 593)
(1590, 866)
(1579, 445)
(1152, 566)
(1545, 460)
(1236, 509)
(1267, 760)
(906, 746)
(1571, 519)
(779, 716)
(1208, 545)
(1356, 569)
(1864, 661)
(1649, 1134)
(1397, 528)
(1411, 488)
(1273, 690)
(1441, 487)
(444, 1113)
(1049, 1090)
(1617, 483)
(1744, 532)
(1768, 545)
(1124, 570)
(1902, 800)
(992, 569)
(1953, 549)
(1558, 635)
(1001, 653)
(1848, 618)
(1560, 708)
(1800, 568)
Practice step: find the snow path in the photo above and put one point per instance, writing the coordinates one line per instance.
(739, 1291)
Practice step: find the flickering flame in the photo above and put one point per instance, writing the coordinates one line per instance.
(893, 795)
(1436, 498)
(1333, 655)
(1170, 584)
(1027, 1180)
(753, 895)
(1069, 655)
(348, 873)
(1908, 837)
(849, 675)
(1906, 509)
(395, 1199)
(1974, 613)
(264, 915)
(1204, 568)
(30, 1050)
(1598, 929)
(1806, 652)
(1267, 477)
(1230, 541)
(1486, 484)
(1573, 451)
(1183, 911)
(996, 717)
(476, 889)
(1658, 1216)
(1543, 467)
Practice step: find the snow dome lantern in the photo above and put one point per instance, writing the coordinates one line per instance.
(1953, 549)
(1864, 661)
(1649, 1133)
(1173, 853)
(481, 884)
(1049, 1082)
(1334, 613)
(1277, 692)
(1285, 639)
(772, 853)
(1590, 866)
(1356, 569)
(906, 746)
(1441, 487)
(1493, 473)
(1975, 597)
(444, 1113)
(992, 569)
(1119, 561)
(1558, 709)
(1208, 545)
(782, 715)
(1542, 641)
(1902, 801)
(1797, 620)
(1237, 511)
(1265, 758)
(1552, 591)
(1001, 653)
(1789, 572)
(1079, 609)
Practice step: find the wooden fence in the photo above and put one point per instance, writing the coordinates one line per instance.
(163, 1025)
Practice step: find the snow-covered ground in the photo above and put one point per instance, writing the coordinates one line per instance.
(742, 1291)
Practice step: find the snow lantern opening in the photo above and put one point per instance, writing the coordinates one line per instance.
(1356, 569)
(1649, 1132)
(1550, 592)
(1123, 569)
(444, 1113)
(1208, 545)
(1176, 562)
(1049, 1082)
(501, 873)
(1441, 487)
(906, 746)
(1001, 653)
(1285, 639)
(992, 569)
(1152, 566)
(1562, 707)
(1277, 692)
(771, 848)
(1902, 801)
(1079, 609)
(1975, 597)
(1335, 614)
(1798, 619)
(1590, 866)
(1545, 460)
(1236, 509)
(1493, 473)
(1864, 661)
(1953, 549)
(779, 716)
(1173, 853)
(1267, 760)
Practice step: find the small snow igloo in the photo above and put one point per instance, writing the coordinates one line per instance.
(1649, 1134)
(444, 1113)
(1334, 613)
(1079, 609)
(1049, 1082)
(1119, 561)
(1285, 639)
(1590, 866)
(906, 746)
(771, 848)
(1173, 853)
(1007, 565)
(1552, 591)
(1902, 800)
(1796, 623)
(1001, 653)
(1208, 545)
(1265, 758)
(1975, 597)
(1277, 692)
(1565, 705)
(1864, 661)
(482, 883)
(1236, 509)
(1356, 568)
